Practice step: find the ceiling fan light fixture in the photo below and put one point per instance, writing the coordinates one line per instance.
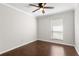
(41, 6)
(41, 9)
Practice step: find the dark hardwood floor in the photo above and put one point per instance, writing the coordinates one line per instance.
(41, 48)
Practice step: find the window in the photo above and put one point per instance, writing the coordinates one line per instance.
(57, 29)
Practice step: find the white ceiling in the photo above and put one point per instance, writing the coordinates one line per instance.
(59, 7)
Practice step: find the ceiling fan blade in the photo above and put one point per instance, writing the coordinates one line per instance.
(33, 5)
(48, 7)
(35, 10)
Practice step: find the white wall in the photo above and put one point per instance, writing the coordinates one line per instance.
(77, 28)
(16, 28)
(44, 27)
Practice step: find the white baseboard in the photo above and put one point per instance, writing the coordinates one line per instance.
(56, 42)
(17, 46)
(76, 50)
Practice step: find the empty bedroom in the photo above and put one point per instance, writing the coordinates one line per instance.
(39, 29)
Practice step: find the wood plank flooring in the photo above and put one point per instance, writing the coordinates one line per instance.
(41, 48)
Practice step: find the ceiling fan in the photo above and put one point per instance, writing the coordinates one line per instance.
(41, 6)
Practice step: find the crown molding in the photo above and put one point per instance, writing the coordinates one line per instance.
(17, 9)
